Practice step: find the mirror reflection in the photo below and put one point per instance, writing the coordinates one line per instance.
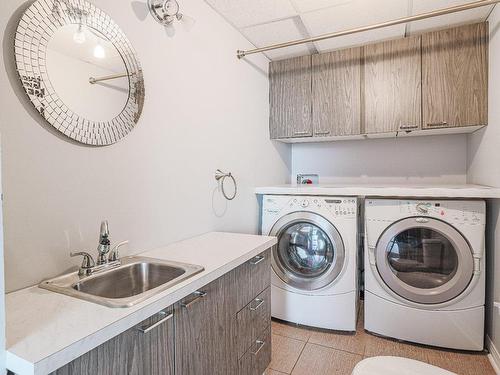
(87, 72)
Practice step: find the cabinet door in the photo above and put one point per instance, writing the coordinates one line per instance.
(205, 342)
(290, 98)
(144, 349)
(337, 93)
(455, 77)
(393, 90)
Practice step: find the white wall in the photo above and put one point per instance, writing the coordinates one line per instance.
(437, 159)
(483, 168)
(204, 110)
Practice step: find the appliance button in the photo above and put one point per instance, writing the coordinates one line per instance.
(304, 203)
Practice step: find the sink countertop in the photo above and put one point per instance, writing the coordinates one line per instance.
(386, 190)
(45, 330)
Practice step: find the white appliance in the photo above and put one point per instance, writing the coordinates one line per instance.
(424, 271)
(314, 278)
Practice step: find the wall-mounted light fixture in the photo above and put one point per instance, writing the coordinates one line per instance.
(165, 12)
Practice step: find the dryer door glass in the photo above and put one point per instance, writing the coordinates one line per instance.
(310, 252)
(424, 260)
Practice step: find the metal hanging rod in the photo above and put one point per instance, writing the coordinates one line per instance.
(418, 17)
(93, 80)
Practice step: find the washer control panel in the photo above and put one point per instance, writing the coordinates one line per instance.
(337, 206)
(342, 206)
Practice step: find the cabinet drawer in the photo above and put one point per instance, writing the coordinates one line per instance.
(253, 277)
(252, 320)
(258, 357)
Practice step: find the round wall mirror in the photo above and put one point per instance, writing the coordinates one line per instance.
(79, 70)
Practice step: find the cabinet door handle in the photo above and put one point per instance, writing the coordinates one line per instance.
(199, 295)
(259, 301)
(261, 345)
(257, 260)
(161, 321)
(301, 133)
(408, 127)
(437, 124)
(326, 132)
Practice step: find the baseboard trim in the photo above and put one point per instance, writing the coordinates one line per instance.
(494, 355)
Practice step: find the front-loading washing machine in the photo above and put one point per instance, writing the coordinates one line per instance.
(424, 271)
(314, 279)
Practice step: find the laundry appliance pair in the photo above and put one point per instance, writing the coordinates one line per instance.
(423, 261)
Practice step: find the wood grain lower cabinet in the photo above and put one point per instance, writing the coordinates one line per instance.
(258, 357)
(290, 98)
(252, 278)
(252, 320)
(147, 348)
(204, 330)
(455, 77)
(222, 329)
(392, 86)
(336, 98)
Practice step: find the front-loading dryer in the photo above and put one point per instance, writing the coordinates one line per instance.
(314, 277)
(424, 271)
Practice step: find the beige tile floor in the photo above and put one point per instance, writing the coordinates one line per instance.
(300, 350)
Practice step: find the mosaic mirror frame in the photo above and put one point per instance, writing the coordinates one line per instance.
(34, 32)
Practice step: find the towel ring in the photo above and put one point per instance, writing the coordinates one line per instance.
(221, 176)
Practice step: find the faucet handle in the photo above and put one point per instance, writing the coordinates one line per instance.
(114, 255)
(87, 262)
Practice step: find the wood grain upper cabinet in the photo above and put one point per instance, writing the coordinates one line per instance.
(147, 348)
(393, 90)
(455, 76)
(290, 98)
(336, 94)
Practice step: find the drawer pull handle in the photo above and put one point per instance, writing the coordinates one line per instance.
(161, 321)
(257, 260)
(259, 301)
(261, 345)
(199, 295)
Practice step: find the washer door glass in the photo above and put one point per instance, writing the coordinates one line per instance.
(310, 252)
(305, 250)
(424, 260)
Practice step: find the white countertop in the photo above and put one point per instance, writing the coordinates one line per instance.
(46, 330)
(385, 190)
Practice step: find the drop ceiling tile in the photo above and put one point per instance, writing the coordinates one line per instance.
(355, 13)
(423, 6)
(243, 13)
(278, 32)
(309, 5)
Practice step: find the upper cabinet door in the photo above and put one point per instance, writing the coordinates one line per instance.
(337, 93)
(393, 90)
(290, 98)
(455, 77)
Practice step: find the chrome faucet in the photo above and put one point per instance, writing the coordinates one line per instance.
(104, 244)
(104, 262)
